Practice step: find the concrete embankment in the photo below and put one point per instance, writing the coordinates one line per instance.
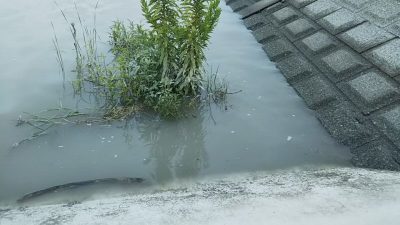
(330, 196)
(343, 58)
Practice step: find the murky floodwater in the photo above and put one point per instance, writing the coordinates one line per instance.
(266, 127)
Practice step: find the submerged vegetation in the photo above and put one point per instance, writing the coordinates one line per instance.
(157, 67)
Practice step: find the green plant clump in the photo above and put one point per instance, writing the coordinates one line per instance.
(158, 67)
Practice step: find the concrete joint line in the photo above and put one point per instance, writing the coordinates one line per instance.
(258, 7)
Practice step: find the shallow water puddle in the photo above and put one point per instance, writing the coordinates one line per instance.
(267, 126)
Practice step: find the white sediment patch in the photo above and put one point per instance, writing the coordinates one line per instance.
(297, 196)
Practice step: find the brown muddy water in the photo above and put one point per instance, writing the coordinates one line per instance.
(266, 127)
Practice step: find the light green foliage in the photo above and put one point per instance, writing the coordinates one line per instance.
(158, 68)
(182, 31)
(199, 22)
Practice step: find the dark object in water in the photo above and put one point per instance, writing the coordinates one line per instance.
(4, 211)
(124, 180)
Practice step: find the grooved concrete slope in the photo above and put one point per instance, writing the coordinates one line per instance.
(343, 58)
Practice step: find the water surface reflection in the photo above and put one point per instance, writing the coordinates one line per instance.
(176, 149)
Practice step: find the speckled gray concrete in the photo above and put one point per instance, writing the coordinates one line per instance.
(343, 59)
(329, 196)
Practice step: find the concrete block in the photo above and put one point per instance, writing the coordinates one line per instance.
(266, 33)
(228, 2)
(394, 28)
(365, 36)
(257, 7)
(267, 12)
(386, 57)
(316, 91)
(317, 43)
(373, 87)
(255, 22)
(240, 5)
(345, 124)
(378, 154)
(340, 21)
(343, 63)
(285, 15)
(389, 123)
(296, 67)
(383, 12)
(299, 28)
(320, 9)
(355, 5)
(278, 49)
(300, 3)
(397, 79)
(371, 91)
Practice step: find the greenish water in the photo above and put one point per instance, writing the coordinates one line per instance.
(266, 127)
